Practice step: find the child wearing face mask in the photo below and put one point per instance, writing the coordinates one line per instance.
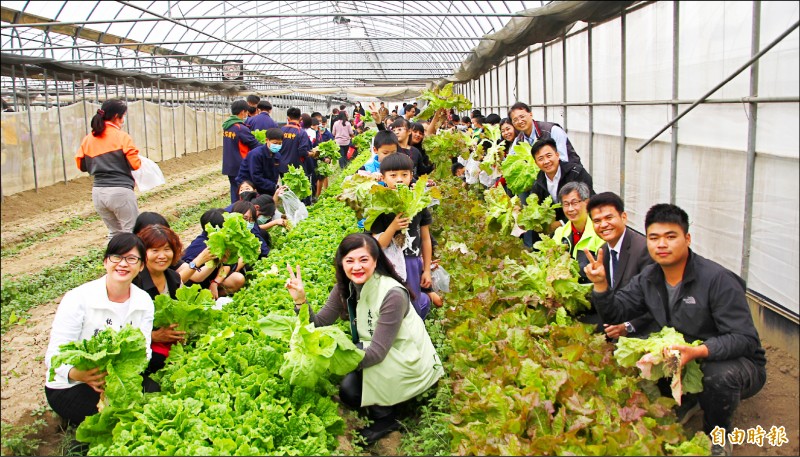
(260, 167)
(250, 213)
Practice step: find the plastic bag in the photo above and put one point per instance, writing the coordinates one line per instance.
(398, 260)
(441, 280)
(148, 175)
(471, 171)
(293, 208)
(351, 152)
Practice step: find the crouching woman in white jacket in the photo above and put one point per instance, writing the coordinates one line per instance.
(111, 301)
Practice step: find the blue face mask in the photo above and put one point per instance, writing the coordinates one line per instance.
(275, 148)
(262, 220)
(250, 225)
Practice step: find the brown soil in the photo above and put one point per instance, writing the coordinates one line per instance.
(23, 347)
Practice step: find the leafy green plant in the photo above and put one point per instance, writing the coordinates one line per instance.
(655, 360)
(313, 351)
(535, 216)
(329, 150)
(494, 155)
(233, 240)
(19, 439)
(191, 310)
(403, 199)
(443, 98)
(520, 169)
(363, 141)
(297, 181)
(260, 135)
(500, 210)
(442, 148)
(367, 117)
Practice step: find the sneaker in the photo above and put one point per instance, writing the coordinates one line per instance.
(379, 429)
(727, 449)
(686, 411)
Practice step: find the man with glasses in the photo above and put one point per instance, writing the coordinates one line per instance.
(578, 233)
(530, 131)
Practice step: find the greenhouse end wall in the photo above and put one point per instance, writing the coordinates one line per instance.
(615, 84)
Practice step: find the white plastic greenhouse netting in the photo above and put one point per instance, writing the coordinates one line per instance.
(615, 95)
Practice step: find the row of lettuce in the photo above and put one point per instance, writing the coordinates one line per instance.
(223, 393)
(523, 378)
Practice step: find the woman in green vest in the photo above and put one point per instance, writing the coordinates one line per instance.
(400, 361)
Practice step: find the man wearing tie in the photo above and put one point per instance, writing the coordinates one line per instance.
(625, 254)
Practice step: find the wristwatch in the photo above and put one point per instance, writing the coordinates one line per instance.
(629, 328)
(194, 266)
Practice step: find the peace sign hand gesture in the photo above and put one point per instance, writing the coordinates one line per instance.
(595, 270)
(295, 285)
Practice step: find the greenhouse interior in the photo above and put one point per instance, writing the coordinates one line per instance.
(663, 102)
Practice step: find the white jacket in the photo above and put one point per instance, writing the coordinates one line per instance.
(86, 310)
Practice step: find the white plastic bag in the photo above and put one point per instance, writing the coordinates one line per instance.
(294, 209)
(221, 302)
(398, 260)
(441, 280)
(472, 170)
(148, 175)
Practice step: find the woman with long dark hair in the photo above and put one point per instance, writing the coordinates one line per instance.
(400, 361)
(109, 155)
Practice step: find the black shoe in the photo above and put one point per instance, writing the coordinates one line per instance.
(688, 409)
(379, 429)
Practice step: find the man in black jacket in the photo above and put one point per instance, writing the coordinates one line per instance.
(624, 256)
(553, 174)
(700, 299)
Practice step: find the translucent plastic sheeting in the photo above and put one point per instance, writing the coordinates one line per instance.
(648, 49)
(46, 139)
(780, 68)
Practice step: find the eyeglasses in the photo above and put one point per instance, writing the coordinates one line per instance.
(572, 204)
(130, 259)
(518, 119)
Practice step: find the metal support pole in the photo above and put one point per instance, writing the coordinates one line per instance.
(105, 88)
(144, 120)
(591, 99)
(196, 124)
(544, 79)
(564, 77)
(497, 84)
(623, 108)
(14, 87)
(752, 124)
(30, 127)
(722, 83)
(530, 76)
(516, 81)
(97, 90)
(46, 94)
(673, 149)
(205, 119)
(160, 123)
(174, 110)
(185, 144)
(60, 128)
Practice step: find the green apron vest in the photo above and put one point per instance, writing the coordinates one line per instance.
(411, 365)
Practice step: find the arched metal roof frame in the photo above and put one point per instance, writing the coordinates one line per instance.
(386, 51)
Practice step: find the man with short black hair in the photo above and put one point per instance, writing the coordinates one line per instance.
(700, 299)
(624, 255)
(296, 144)
(252, 100)
(411, 111)
(237, 141)
(262, 120)
(530, 131)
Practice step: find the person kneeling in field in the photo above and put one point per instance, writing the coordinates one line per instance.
(400, 361)
(222, 280)
(111, 301)
(700, 299)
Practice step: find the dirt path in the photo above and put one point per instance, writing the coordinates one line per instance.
(191, 180)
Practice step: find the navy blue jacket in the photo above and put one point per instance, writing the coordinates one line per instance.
(261, 168)
(295, 146)
(261, 121)
(324, 136)
(237, 141)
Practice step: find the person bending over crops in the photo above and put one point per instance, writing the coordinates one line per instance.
(108, 155)
(400, 361)
(259, 169)
(111, 301)
(162, 250)
(700, 299)
(223, 278)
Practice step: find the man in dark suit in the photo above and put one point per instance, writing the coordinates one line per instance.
(625, 255)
